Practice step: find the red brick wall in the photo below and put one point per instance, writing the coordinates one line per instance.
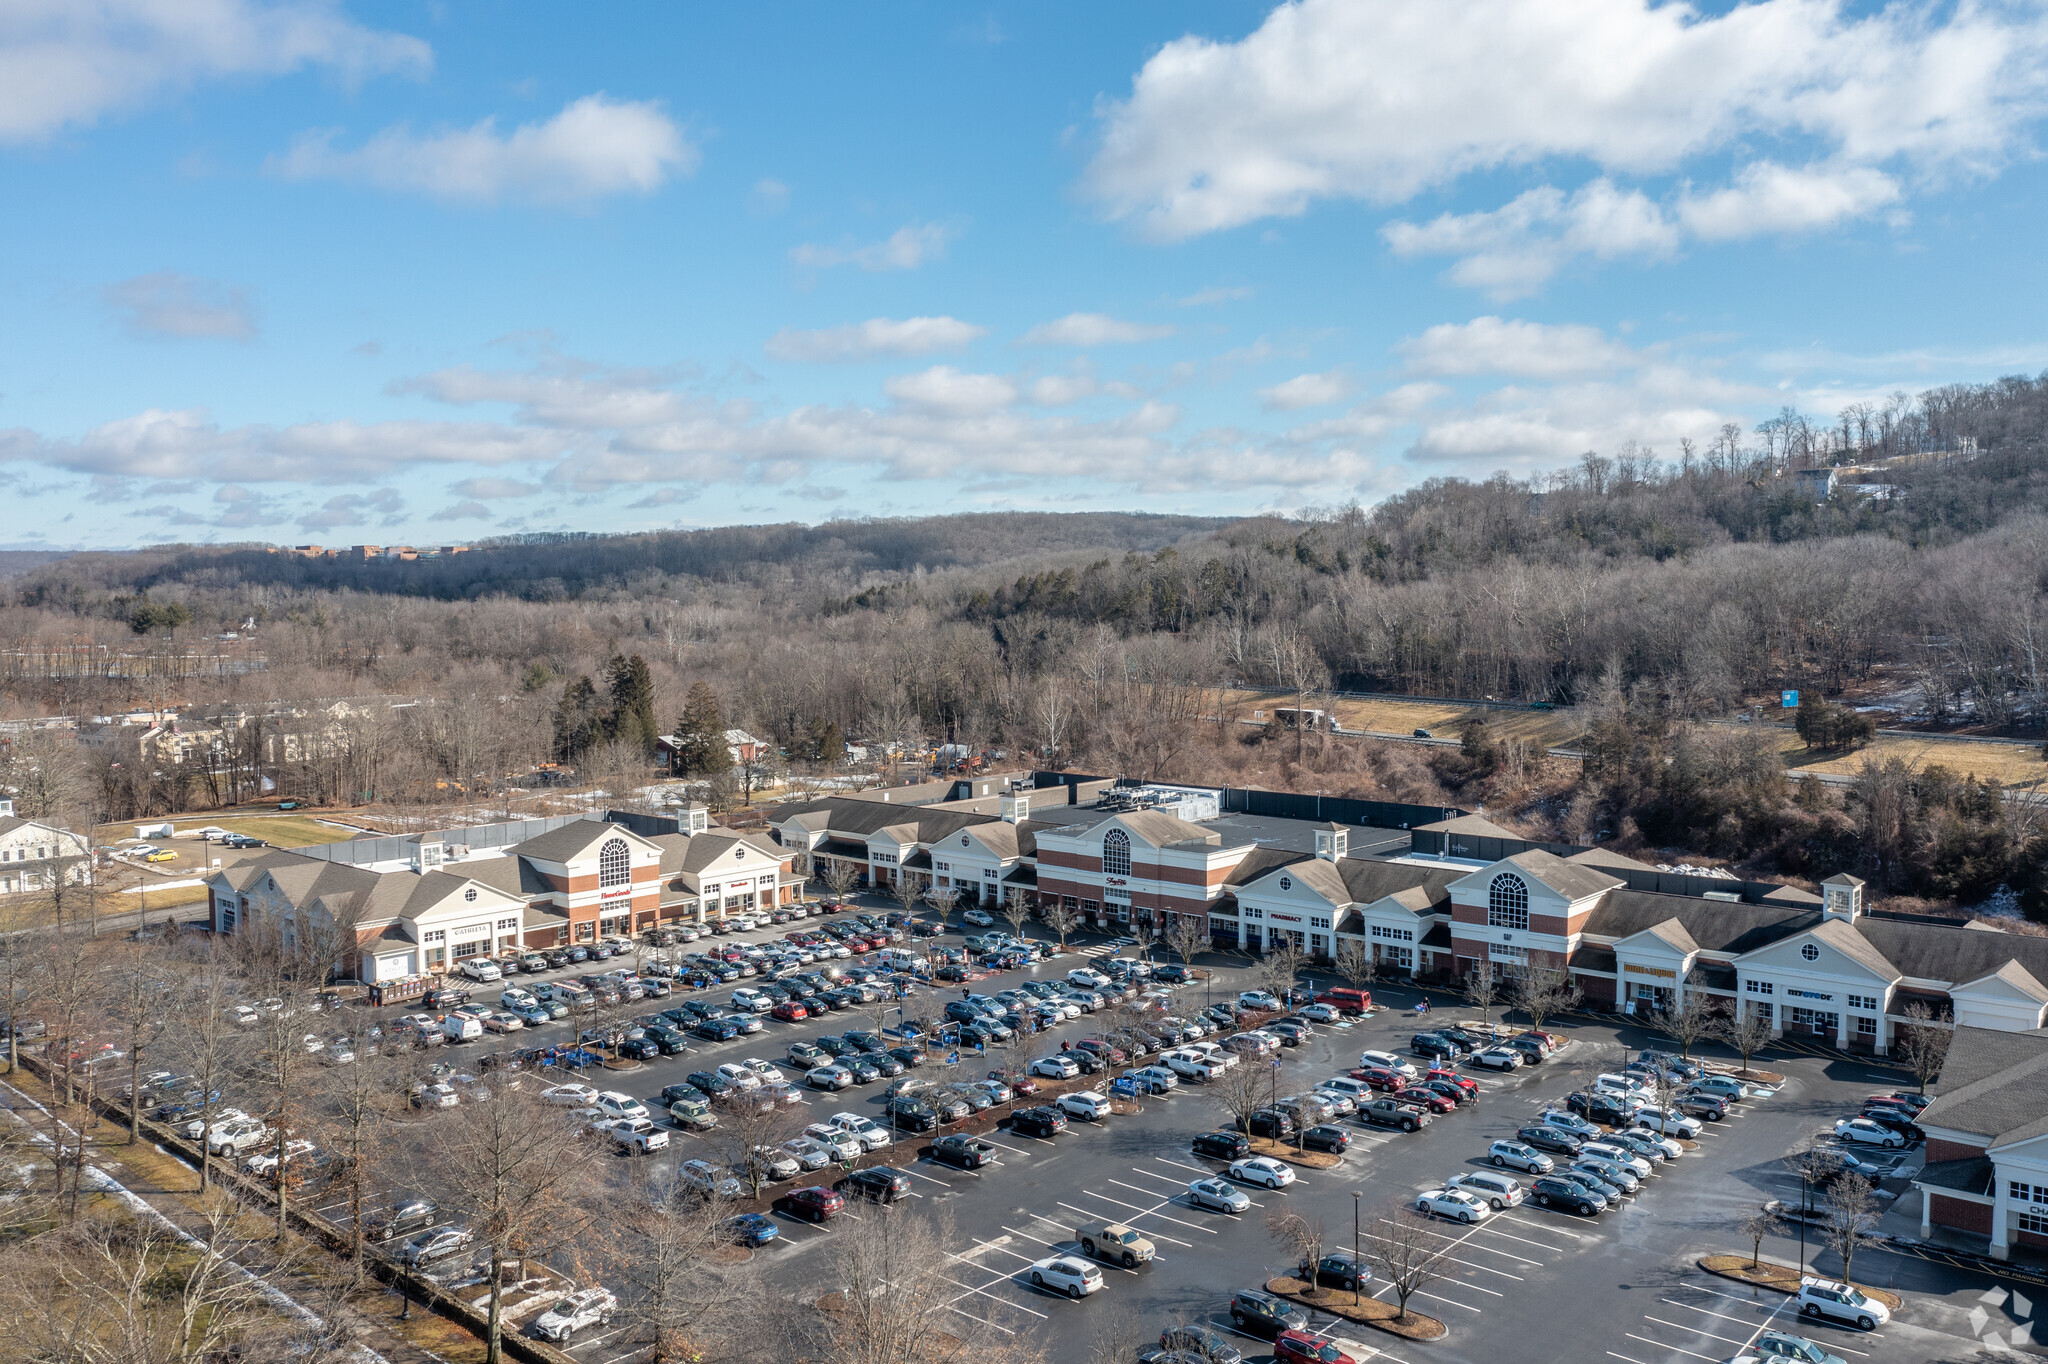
(1937, 1149)
(1598, 990)
(1953, 1212)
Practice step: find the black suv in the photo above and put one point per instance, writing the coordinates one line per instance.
(1221, 1145)
(1038, 1122)
(876, 1184)
(1262, 1314)
(1270, 1122)
(911, 1114)
(1337, 1270)
(1600, 1108)
(1553, 1192)
(1550, 1139)
(1430, 1044)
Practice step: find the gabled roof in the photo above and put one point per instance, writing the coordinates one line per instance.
(2016, 976)
(1473, 826)
(1672, 934)
(1262, 862)
(1162, 830)
(1570, 880)
(1942, 952)
(1369, 879)
(573, 840)
(849, 818)
(1716, 925)
(1844, 938)
(1601, 857)
(1993, 1084)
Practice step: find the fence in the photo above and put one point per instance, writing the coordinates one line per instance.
(1378, 814)
(1491, 849)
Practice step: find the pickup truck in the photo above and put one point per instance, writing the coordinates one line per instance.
(637, 1135)
(1192, 1064)
(1114, 1241)
(967, 1152)
(1388, 1111)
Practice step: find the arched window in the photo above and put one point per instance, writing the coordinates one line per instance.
(1507, 903)
(1116, 853)
(614, 864)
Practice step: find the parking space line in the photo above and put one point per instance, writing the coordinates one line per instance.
(1726, 1340)
(1623, 1358)
(1707, 1311)
(1678, 1349)
(1455, 1243)
(1141, 1212)
(1154, 1211)
(1489, 1227)
(1545, 1226)
(927, 1178)
(1185, 1166)
(1005, 1278)
(1029, 1237)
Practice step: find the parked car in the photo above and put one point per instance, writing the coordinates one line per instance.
(1066, 1274)
(1220, 1145)
(404, 1216)
(876, 1184)
(1869, 1132)
(435, 1245)
(1258, 1313)
(1114, 1241)
(815, 1204)
(961, 1149)
(1499, 1192)
(1546, 1138)
(1262, 1170)
(1498, 1058)
(1554, 1191)
(1519, 1155)
(584, 1307)
(1827, 1299)
(1455, 1204)
(1215, 1194)
(1388, 1111)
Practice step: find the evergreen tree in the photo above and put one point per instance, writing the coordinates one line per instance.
(632, 711)
(700, 735)
(824, 743)
(579, 721)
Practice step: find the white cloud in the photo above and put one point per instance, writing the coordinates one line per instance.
(1512, 250)
(168, 304)
(71, 62)
(1058, 390)
(1383, 99)
(1492, 345)
(462, 511)
(1092, 329)
(905, 249)
(945, 389)
(1306, 390)
(491, 488)
(1767, 197)
(1217, 294)
(595, 147)
(768, 197)
(877, 336)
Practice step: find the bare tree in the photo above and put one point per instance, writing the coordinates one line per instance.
(207, 1040)
(838, 877)
(941, 898)
(1119, 1336)
(1483, 988)
(1923, 1044)
(1301, 1236)
(351, 1116)
(519, 1166)
(1185, 937)
(1754, 1228)
(1688, 1021)
(1851, 1216)
(1062, 918)
(750, 1130)
(1241, 1091)
(1407, 1252)
(1540, 991)
(673, 1273)
(1279, 967)
(1356, 963)
(137, 998)
(1817, 1167)
(906, 890)
(1016, 910)
(1746, 1031)
(895, 1301)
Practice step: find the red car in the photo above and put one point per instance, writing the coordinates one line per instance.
(1554, 1040)
(817, 1203)
(1463, 1082)
(1019, 1084)
(1300, 1347)
(1379, 1077)
(789, 1011)
(1428, 1098)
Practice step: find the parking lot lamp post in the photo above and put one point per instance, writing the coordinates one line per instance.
(1356, 1287)
(1805, 1206)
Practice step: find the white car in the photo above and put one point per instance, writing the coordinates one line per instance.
(1515, 1155)
(1191, 1064)
(1214, 1193)
(979, 918)
(1455, 1204)
(1668, 1121)
(1066, 1274)
(1342, 1105)
(1262, 1170)
(1053, 1068)
(1627, 1085)
(613, 1104)
(477, 969)
(439, 1094)
(198, 1128)
(263, 1162)
(811, 1153)
(235, 1137)
(1498, 1058)
(1825, 1298)
(1387, 1060)
(1620, 1155)
(870, 1133)
(1087, 979)
(828, 1077)
(571, 1095)
(584, 1307)
(836, 1142)
(1869, 1133)
(768, 1073)
(1086, 1105)
(740, 1074)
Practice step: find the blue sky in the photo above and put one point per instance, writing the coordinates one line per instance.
(293, 271)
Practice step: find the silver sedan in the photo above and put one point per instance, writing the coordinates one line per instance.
(1217, 1194)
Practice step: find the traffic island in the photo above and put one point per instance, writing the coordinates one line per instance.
(1782, 1278)
(1307, 1160)
(1353, 1306)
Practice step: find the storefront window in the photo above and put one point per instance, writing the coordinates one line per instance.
(586, 931)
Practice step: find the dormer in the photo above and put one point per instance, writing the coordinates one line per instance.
(1841, 897)
(1333, 842)
(694, 818)
(427, 854)
(1016, 808)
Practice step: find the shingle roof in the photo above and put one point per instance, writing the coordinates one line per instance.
(1474, 826)
(1601, 857)
(1843, 937)
(1264, 861)
(513, 875)
(571, 840)
(1369, 879)
(856, 819)
(1568, 879)
(1672, 933)
(1939, 952)
(1716, 925)
(1162, 830)
(1971, 1175)
(1994, 1084)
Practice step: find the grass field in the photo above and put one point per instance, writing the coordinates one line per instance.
(2013, 764)
(281, 831)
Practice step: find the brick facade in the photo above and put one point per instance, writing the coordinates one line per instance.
(1954, 1212)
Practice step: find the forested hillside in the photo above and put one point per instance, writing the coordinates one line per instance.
(1651, 594)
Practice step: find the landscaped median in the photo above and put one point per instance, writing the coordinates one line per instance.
(1307, 1160)
(1352, 1306)
(1782, 1278)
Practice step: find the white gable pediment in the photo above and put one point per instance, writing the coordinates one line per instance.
(1792, 955)
(1995, 989)
(1647, 946)
(1286, 887)
(458, 904)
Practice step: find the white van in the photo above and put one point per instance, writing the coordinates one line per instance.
(901, 959)
(462, 1027)
(481, 969)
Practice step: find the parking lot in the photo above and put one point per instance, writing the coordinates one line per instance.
(1527, 1283)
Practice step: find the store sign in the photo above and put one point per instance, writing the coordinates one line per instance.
(1286, 918)
(1658, 972)
(621, 893)
(1114, 881)
(1809, 994)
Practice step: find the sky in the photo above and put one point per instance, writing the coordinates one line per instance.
(333, 271)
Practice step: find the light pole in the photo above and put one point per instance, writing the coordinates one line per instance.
(1354, 1248)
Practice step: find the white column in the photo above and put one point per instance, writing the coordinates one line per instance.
(1842, 1024)
(1926, 1214)
(2000, 1236)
